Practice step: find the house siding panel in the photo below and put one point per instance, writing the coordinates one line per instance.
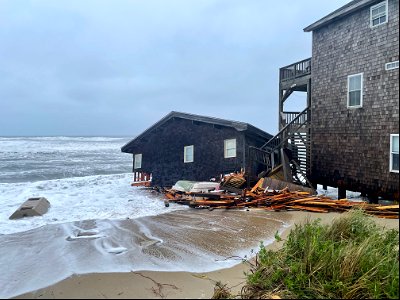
(163, 152)
(350, 147)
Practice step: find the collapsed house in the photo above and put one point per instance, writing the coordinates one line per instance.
(195, 148)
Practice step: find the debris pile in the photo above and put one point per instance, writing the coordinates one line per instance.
(231, 195)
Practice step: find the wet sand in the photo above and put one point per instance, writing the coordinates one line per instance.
(195, 240)
(172, 284)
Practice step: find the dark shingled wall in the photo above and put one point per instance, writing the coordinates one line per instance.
(351, 147)
(163, 149)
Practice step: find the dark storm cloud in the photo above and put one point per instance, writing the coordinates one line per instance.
(116, 67)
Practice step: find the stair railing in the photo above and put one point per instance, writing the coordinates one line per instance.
(296, 123)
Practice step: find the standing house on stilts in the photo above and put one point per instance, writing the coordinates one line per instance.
(348, 134)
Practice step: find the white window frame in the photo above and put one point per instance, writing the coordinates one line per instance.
(226, 149)
(391, 153)
(186, 151)
(138, 161)
(371, 19)
(392, 65)
(361, 91)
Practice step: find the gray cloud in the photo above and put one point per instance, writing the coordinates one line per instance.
(116, 67)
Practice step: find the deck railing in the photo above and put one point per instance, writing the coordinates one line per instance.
(260, 160)
(288, 117)
(141, 178)
(299, 121)
(298, 69)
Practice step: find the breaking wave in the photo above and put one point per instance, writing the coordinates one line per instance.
(79, 198)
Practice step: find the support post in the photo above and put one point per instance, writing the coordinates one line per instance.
(286, 167)
(341, 193)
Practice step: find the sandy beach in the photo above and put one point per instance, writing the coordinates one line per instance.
(156, 284)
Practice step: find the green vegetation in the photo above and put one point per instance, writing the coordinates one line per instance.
(351, 258)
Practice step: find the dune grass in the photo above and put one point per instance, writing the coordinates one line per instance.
(352, 258)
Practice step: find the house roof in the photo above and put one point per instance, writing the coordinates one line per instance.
(239, 126)
(340, 13)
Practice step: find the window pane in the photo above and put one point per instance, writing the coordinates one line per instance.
(395, 144)
(354, 98)
(230, 144)
(231, 152)
(395, 162)
(230, 148)
(378, 10)
(379, 14)
(138, 161)
(188, 153)
(189, 157)
(355, 83)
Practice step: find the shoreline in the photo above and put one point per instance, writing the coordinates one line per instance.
(170, 285)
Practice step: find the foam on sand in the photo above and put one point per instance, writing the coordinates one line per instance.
(193, 241)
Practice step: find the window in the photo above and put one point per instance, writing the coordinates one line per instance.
(138, 161)
(392, 65)
(188, 152)
(354, 87)
(230, 148)
(394, 153)
(378, 14)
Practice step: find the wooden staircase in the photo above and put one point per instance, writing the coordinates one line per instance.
(290, 147)
(301, 158)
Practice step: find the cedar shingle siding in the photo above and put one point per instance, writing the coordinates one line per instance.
(351, 147)
(163, 145)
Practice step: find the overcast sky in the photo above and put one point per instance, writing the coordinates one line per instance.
(116, 67)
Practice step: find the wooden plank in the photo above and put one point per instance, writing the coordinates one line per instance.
(387, 217)
(251, 194)
(303, 200)
(141, 183)
(313, 209)
(254, 202)
(385, 207)
(170, 196)
(322, 203)
(213, 202)
(258, 184)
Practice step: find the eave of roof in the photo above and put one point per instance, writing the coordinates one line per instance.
(339, 13)
(239, 126)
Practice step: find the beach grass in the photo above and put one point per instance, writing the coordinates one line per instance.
(351, 258)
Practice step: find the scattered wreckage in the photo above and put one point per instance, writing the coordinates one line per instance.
(268, 194)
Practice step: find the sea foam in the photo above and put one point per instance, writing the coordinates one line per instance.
(79, 198)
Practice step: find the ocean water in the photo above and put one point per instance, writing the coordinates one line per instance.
(29, 159)
(82, 177)
(97, 222)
